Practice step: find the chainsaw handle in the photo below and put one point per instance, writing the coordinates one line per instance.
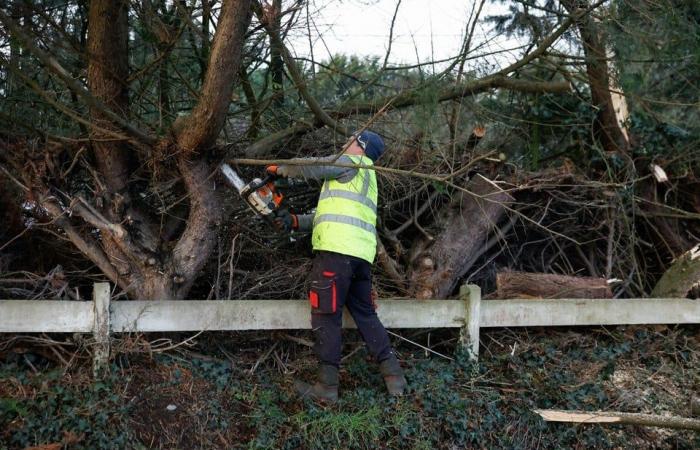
(253, 186)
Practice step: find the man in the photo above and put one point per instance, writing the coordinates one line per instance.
(344, 239)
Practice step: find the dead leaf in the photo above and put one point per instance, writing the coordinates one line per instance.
(70, 438)
(54, 446)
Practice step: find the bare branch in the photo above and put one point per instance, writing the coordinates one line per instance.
(298, 78)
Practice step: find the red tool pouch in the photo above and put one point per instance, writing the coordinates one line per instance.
(323, 296)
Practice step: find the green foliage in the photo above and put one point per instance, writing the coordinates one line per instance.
(95, 411)
(449, 405)
(320, 428)
(660, 139)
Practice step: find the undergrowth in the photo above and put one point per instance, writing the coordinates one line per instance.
(175, 401)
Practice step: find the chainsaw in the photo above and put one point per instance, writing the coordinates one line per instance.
(260, 194)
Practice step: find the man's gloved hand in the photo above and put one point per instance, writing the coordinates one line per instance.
(280, 171)
(285, 221)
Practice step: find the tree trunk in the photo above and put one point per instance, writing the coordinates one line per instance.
(545, 285)
(276, 63)
(129, 251)
(606, 126)
(682, 277)
(467, 223)
(108, 70)
(203, 125)
(206, 18)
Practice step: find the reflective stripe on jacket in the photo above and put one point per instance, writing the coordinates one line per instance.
(346, 215)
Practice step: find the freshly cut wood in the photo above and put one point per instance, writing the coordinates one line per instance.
(681, 277)
(468, 223)
(623, 418)
(659, 173)
(545, 285)
(475, 137)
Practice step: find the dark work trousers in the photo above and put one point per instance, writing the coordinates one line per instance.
(340, 280)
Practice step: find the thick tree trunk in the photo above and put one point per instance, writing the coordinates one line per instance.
(467, 223)
(108, 70)
(682, 277)
(131, 253)
(545, 285)
(606, 127)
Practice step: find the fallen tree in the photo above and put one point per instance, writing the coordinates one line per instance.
(128, 181)
(468, 226)
(150, 217)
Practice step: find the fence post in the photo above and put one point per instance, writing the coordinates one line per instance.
(101, 297)
(470, 294)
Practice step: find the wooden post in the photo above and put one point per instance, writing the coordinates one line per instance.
(471, 295)
(101, 296)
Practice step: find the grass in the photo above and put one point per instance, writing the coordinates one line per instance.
(352, 428)
(219, 404)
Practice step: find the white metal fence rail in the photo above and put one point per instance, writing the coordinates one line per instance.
(469, 313)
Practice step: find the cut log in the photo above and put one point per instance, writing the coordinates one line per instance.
(681, 277)
(544, 285)
(648, 420)
(467, 224)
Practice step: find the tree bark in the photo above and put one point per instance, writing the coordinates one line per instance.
(276, 62)
(606, 126)
(108, 69)
(205, 122)
(466, 224)
(195, 136)
(544, 285)
(128, 249)
(681, 277)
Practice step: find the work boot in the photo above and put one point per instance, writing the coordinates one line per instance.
(325, 390)
(393, 375)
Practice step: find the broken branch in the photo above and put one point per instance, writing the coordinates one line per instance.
(623, 418)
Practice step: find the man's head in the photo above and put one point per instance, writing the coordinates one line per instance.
(371, 144)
